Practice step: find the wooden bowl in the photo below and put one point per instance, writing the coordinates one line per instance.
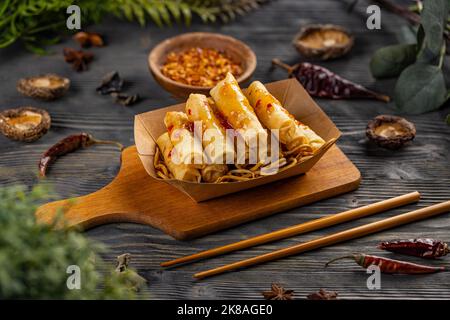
(236, 49)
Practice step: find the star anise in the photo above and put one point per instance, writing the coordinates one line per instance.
(277, 292)
(78, 58)
(323, 295)
(88, 39)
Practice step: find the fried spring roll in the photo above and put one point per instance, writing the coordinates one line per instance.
(188, 149)
(305, 135)
(216, 146)
(270, 112)
(235, 108)
(181, 171)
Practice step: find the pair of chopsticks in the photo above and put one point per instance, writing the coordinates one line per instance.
(316, 225)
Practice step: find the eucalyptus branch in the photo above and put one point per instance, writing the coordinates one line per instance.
(404, 12)
(408, 13)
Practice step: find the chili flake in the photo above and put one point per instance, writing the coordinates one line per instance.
(202, 67)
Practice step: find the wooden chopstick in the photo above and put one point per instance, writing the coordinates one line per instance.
(302, 228)
(334, 238)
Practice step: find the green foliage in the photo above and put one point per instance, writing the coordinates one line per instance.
(433, 20)
(421, 86)
(390, 61)
(425, 93)
(34, 257)
(33, 21)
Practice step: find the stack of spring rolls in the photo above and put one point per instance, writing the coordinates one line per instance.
(225, 138)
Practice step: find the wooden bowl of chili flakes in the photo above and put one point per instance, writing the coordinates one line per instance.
(195, 62)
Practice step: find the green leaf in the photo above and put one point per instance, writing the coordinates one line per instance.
(164, 13)
(186, 13)
(138, 12)
(153, 13)
(175, 10)
(420, 37)
(420, 88)
(390, 61)
(448, 119)
(433, 21)
(35, 49)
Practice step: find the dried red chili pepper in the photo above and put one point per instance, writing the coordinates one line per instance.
(423, 248)
(389, 265)
(67, 145)
(321, 82)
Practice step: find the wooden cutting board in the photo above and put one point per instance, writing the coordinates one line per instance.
(134, 196)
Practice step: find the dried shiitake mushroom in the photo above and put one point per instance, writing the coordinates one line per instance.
(24, 124)
(390, 132)
(323, 41)
(45, 87)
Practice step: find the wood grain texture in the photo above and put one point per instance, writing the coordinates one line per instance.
(134, 196)
(422, 166)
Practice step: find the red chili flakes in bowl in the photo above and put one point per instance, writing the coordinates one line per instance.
(201, 67)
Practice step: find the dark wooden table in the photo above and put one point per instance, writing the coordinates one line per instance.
(423, 166)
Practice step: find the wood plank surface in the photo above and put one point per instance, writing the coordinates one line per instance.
(423, 166)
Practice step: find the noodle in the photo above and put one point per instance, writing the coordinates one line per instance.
(244, 172)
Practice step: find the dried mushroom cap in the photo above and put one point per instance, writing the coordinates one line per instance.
(45, 87)
(24, 124)
(323, 41)
(390, 132)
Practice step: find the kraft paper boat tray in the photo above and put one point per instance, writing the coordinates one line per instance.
(150, 125)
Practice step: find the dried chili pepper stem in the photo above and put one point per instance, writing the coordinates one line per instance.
(288, 68)
(93, 141)
(389, 265)
(352, 257)
(323, 83)
(67, 145)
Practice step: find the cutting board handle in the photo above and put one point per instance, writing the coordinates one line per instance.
(112, 203)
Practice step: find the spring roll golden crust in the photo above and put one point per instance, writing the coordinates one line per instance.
(305, 135)
(189, 149)
(234, 106)
(180, 171)
(216, 146)
(270, 112)
(199, 109)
